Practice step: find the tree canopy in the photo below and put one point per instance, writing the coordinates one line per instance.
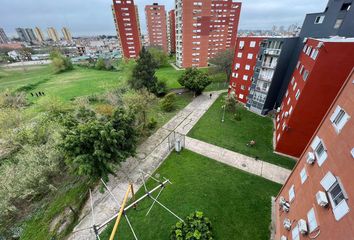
(222, 62)
(195, 80)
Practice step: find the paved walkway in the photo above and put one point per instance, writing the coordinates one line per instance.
(248, 164)
(150, 155)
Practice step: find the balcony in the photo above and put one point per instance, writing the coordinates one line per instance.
(264, 78)
(272, 51)
(269, 65)
(263, 90)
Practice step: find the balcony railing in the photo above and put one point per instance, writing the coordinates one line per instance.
(272, 51)
(264, 78)
(269, 65)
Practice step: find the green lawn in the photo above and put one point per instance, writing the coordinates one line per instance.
(237, 203)
(67, 85)
(169, 75)
(234, 135)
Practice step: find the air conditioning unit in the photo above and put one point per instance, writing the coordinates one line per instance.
(302, 224)
(310, 158)
(286, 114)
(321, 198)
(283, 238)
(287, 224)
(305, 40)
(286, 207)
(278, 110)
(282, 201)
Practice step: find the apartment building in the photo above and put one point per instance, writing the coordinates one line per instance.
(157, 25)
(126, 20)
(39, 34)
(171, 31)
(203, 28)
(271, 65)
(67, 34)
(244, 63)
(319, 74)
(335, 20)
(3, 38)
(53, 34)
(23, 35)
(317, 200)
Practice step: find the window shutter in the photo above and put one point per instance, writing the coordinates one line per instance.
(343, 122)
(328, 181)
(315, 142)
(291, 193)
(334, 115)
(340, 210)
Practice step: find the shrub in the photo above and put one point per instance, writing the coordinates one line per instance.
(231, 103)
(161, 88)
(60, 62)
(194, 80)
(13, 99)
(152, 124)
(100, 64)
(105, 109)
(168, 102)
(196, 226)
(238, 116)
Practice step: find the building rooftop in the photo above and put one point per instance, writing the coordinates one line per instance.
(335, 39)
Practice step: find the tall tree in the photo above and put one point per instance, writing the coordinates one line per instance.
(195, 80)
(144, 72)
(159, 56)
(223, 62)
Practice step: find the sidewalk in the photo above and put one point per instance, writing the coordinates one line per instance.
(245, 163)
(150, 155)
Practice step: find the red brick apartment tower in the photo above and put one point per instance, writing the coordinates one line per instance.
(126, 20)
(156, 25)
(317, 200)
(243, 67)
(203, 28)
(172, 31)
(320, 72)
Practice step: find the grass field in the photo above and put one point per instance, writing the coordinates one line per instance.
(234, 135)
(170, 76)
(237, 203)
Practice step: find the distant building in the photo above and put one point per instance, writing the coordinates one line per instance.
(22, 34)
(317, 200)
(322, 68)
(67, 34)
(204, 28)
(126, 19)
(3, 38)
(53, 34)
(171, 26)
(39, 34)
(157, 26)
(30, 34)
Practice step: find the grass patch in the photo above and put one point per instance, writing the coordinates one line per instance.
(237, 203)
(170, 76)
(234, 135)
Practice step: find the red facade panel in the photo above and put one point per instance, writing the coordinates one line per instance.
(157, 26)
(331, 173)
(172, 26)
(316, 82)
(127, 26)
(242, 67)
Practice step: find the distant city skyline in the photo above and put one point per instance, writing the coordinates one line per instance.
(94, 17)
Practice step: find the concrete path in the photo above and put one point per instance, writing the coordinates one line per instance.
(248, 164)
(150, 155)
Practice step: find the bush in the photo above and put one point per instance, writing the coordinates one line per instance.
(238, 116)
(195, 226)
(194, 80)
(168, 102)
(60, 62)
(161, 89)
(231, 103)
(105, 109)
(152, 124)
(13, 99)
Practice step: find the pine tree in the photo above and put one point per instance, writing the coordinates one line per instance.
(144, 72)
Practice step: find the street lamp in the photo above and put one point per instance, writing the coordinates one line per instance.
(223, 114)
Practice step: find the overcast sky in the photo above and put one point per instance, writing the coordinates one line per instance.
(92, 17)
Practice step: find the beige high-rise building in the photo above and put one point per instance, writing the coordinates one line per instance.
(53, 34)
(39, 34)
(67, 34)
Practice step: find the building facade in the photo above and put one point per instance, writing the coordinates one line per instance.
(3, 38)
(31, 35)
(39, 34)
(244, 63)
(126, 19)
(171, 31)
(67, 34)
(320, 72)
(203, 28)
(157, 26)
(271, 65)
(53, 34)
(317, 200)
(22, 34)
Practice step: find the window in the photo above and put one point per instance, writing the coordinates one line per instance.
(298, 65)
(291, 193)
(239, 55)
(339, 118)
(319, 19)
(305, 75)
(311, 219)
(247, 67)
(290, 110)
(297, 95)
(338, 23)
(314, 54)
(250, 56)
(302, 69)
(336, 194)
(235, 75)
(295, 234)
(242, 44)
(303, 175)
(292, 81)
(245, 77)
(242, 87)
(252, 44)
(320, 150)
(294, 87)
(345, 6)
(240, 96)
(237, 66)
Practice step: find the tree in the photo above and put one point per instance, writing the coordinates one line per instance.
(25, 53)
(91, 148)
(194, 80)
(100, 64)
(144, 72)
(168, 102)
(60, 62)
(159, 56)
(223, 62)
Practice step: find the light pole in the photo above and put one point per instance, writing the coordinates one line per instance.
(223, 114)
